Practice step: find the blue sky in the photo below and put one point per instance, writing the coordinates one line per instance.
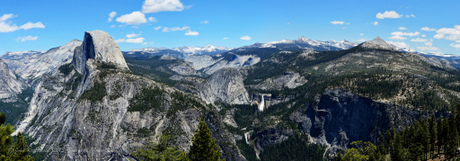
(429, 26)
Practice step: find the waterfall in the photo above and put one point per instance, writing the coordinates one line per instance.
(246, 137)
(262, 104)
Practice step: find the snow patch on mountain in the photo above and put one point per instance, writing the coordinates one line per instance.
(186, 51)
(201, 50)
(304, 43)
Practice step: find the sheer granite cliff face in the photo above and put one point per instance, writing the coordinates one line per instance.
(225, 85)
(100, 46)
(88, 112)
(341, 117)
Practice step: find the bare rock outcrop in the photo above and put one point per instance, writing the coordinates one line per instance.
(10, 86)
(100, 46)
(225, 85)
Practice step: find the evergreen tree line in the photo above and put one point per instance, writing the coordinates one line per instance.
(295, 148)
(425, 139)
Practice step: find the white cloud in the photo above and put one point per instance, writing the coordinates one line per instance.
(167, 29)
(27, 38)
(337, 22)
(361, 34)
(30, 25)
(438, 36)
(375, 23)
(134, 18)
(111, 16)
(399, 33)
(138, 40)
(8, 26)
(132, 35)
(423, 35)
(152, 6)
(411, 15)
(388, 14)
(429, 43)
(449, 33)
(6, 17)
(428, 46)
(226, 38)
(397, 37)
(191, 33)
(362, 40)
(158, 27)
(419, 40)
(402, 28)
(205, 22)
(400, 45)
(427, 29)
(131, 39)
(456, 46)
(245, 38)
(153, 19)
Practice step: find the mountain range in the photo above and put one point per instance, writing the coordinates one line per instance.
(88, 100)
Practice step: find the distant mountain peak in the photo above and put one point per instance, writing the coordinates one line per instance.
(304, 39)
(378, 43)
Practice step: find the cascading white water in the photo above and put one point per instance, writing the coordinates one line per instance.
(262, 104)
(246, 137)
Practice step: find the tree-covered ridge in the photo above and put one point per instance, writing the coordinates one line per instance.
(404, 79)
(426, 139)
(296, 148)
(153, 67)
(400, 89)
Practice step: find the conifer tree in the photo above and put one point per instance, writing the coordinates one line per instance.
(397, 152)
(19, 150)
(433, 134)
(5, 140)
(2, 118)
(440, 135)
(203, 145)
(9, 150)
